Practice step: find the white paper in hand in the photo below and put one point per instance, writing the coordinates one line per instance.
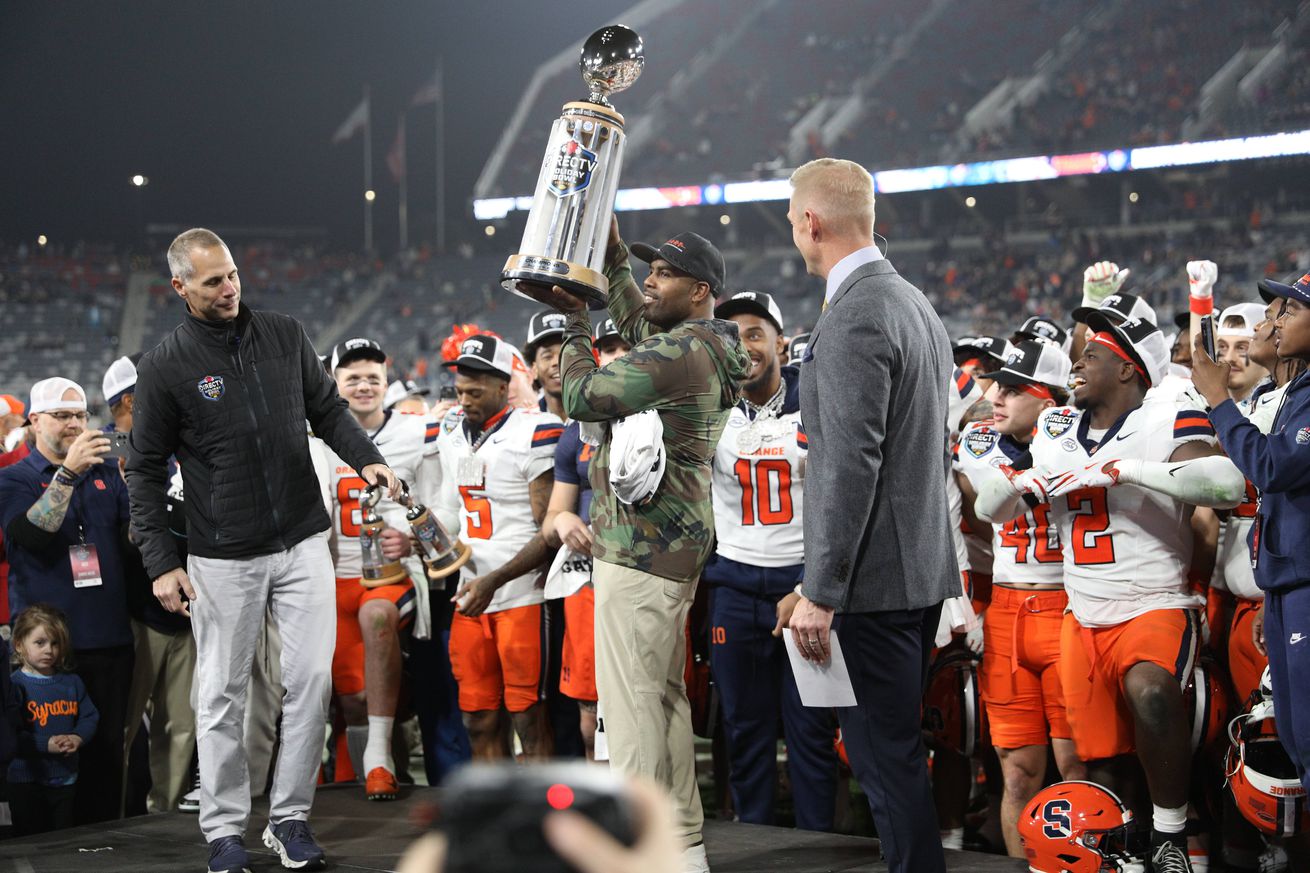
(826, 684)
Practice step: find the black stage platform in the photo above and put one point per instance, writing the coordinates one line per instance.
(364, 836)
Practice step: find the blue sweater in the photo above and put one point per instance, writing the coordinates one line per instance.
(1279, 466)
(48, 706)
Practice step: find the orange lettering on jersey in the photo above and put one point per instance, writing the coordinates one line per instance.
(775, 451)
(41, 712)
(343, 470)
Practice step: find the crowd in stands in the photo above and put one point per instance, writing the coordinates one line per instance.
(1134, 80)
(1137, 76)
(914, 112)
(42, 282)
(827, 51)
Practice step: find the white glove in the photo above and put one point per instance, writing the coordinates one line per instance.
(1201, 276)
(1100, 280)
(1027, 482)
(973, 638)
(1102, 474)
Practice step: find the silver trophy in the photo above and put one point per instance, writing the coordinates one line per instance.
(568, 228)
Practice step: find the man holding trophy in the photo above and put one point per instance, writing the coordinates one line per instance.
(686, 367)
(656, 415)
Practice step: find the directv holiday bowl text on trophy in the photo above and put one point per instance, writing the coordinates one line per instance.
(568, 226)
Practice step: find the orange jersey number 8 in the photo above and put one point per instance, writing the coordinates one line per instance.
(348, 490)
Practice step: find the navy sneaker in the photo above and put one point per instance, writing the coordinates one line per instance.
(294, 843)
(228, 855)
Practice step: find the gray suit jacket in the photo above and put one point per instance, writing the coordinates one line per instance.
(873, 398)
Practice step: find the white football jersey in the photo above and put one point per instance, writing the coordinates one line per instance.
(1025, 550)
(1233, 570)
(1126, 548)
(757, 493)
(409, 445)
(489, 490)
(961, 396)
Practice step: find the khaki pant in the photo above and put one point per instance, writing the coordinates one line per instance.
(161, 679)
(641, 653)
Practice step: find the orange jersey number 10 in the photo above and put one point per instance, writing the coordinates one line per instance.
(757, 495)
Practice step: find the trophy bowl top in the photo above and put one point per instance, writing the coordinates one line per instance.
(612, 59)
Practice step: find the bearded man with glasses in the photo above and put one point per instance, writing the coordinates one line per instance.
(65, 513)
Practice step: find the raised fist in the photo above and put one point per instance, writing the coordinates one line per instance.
(1100, 280)
(1201, 276)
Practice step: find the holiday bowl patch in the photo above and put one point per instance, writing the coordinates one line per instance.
(1057, 423)
(979, 442)
(210, 387)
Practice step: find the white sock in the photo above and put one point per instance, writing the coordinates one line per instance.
(1169, 821)
(378, 751)
(953, 838)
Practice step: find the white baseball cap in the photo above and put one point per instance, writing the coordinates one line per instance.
(48, 395)
(1250, 315)
(1035, 362)
(1140, 340)
(119, 380)
(486, 353)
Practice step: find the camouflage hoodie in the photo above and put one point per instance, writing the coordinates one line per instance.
(692, 375)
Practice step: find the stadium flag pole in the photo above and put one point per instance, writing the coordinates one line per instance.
(398, 163)
(433, 91)
(368, 173)
(441, 160)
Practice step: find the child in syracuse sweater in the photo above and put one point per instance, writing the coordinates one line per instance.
(55, 718)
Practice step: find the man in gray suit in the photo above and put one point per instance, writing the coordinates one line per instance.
(878, 554)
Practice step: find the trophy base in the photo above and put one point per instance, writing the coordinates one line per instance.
(532, 276)
(391, 574)
(457, 557)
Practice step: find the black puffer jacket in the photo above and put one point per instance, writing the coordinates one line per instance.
(230, 400)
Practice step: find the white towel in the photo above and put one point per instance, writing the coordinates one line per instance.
(637, 456)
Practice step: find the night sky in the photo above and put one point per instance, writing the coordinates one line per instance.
(228, 108)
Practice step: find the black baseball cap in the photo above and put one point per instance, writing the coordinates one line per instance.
(1298, 290)
(691, 253)
(995, 347)
(485, 353)
(1119, 307)
(357, 349)
(1037, 327)
(1034, 362)
(752, 302)
(543, 327)
(606, 329)
(796, 347)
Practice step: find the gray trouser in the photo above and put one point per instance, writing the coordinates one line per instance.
(263, 705)
(227, 618)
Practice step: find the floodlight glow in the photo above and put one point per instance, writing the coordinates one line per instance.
(976, 174)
